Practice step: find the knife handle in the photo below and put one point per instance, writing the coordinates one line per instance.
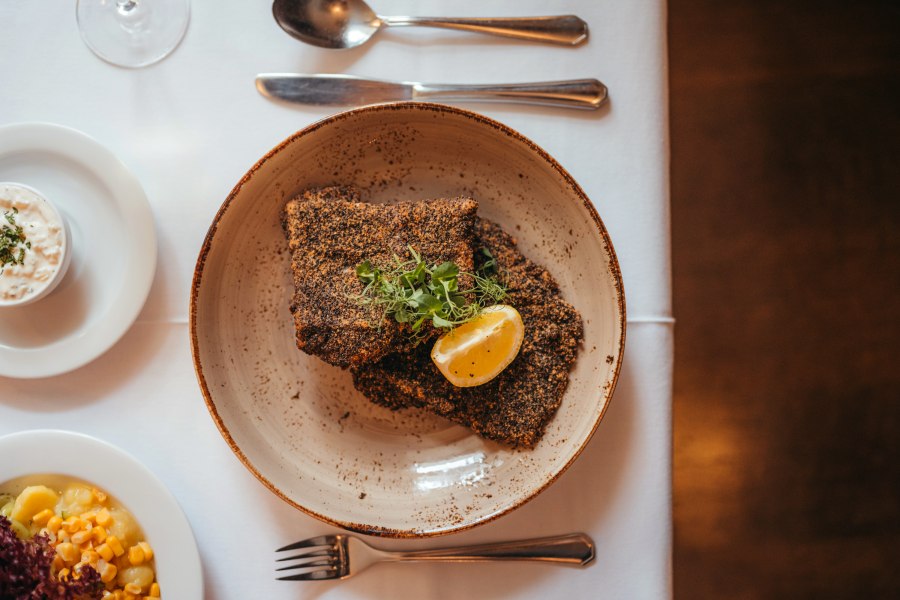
(567, 30)
(588, 94)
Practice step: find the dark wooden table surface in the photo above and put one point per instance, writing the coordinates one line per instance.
(785, 125)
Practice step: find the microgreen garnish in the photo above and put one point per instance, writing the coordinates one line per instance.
(414, 292)
(12, 241)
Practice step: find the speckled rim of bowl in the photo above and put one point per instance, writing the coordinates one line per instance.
(614, 268)
(67, 250)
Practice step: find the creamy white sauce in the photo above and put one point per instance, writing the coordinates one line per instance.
(44, 230)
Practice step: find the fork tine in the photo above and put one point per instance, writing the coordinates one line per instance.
(331, 573)
(329, 561)
(316, 552)
(322, 540)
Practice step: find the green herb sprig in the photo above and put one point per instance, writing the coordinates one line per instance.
(12, 241)
(414, 292)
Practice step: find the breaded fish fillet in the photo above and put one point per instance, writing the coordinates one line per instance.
(330, 232)
(515, 407)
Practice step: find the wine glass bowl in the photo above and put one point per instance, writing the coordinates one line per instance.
(132, 33)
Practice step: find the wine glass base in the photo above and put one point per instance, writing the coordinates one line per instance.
(132, 33)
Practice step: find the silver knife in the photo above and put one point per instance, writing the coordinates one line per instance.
(587, 94)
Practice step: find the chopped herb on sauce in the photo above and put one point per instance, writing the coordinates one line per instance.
(12, 241)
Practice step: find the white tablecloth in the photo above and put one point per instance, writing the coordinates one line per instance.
(190, 126)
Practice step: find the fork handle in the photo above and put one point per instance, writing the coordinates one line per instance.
(575, 549)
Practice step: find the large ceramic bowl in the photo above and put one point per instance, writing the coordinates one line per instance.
(296, 422)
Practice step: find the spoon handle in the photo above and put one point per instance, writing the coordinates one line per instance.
(587, 94)
(567, 30)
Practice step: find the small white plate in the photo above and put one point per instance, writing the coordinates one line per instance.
(113, 244)
(111, 469)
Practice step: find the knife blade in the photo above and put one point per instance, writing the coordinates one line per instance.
(329, 89)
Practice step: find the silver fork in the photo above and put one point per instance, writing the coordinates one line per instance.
(341, 556)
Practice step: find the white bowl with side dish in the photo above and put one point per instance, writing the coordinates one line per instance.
(297, 423)
(30, 454)
(113, 250)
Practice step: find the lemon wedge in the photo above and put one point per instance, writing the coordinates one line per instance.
(477, 351)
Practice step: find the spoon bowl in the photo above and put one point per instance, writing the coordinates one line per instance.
(342, 24)
(327, 23)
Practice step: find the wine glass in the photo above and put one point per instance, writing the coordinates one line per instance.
(132, 33)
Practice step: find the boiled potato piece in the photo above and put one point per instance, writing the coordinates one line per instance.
(33, 500)
(20, 530)
(77, 499)
(141, 575)
(124, 527)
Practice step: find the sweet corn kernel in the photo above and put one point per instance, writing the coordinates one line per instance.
(42, 517)
(154, 590)
(63, 574)
(90, 557)
(58, 563)
(63, 536)
(68, 552)
(103, 518)
(132, 588)
(54, 523)
(105, 552)
(136, 555)
(114, 543)
(100, 496)
(98, 534)
(73, 524)
(107, 571)
(148, 551)
(81, 536)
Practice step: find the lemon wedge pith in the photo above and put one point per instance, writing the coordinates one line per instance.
(477, 351)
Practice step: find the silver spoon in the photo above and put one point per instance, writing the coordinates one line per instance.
(350, 23)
